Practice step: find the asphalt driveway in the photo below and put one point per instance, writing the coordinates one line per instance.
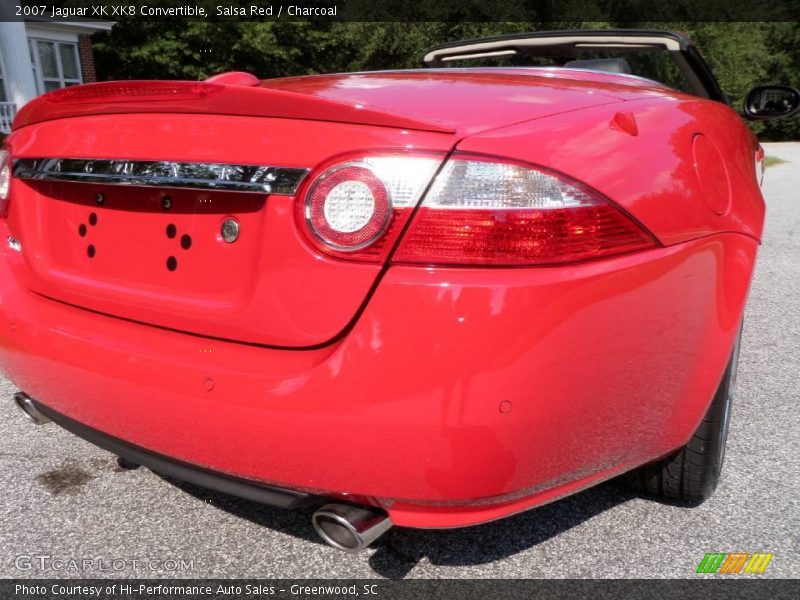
(67, 500)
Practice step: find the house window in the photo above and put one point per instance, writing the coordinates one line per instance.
(3, 94)
(55, 64)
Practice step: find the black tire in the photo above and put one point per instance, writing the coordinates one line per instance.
(692, 473)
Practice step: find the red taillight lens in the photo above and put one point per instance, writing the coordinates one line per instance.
(133, 91)
(5, 182)
(356, 209)
(483, 212)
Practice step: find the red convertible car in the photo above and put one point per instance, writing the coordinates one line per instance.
(425, 298)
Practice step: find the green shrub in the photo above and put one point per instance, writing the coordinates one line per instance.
(741, 55)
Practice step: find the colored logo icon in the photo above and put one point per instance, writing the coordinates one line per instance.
(732, 563)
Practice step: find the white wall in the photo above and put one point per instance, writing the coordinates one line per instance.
(17, 69)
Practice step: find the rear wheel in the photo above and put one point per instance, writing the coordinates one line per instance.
(692, 473)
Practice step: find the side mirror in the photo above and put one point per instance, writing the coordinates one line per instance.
(770, 102)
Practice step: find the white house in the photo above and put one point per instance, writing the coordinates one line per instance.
(41, 56)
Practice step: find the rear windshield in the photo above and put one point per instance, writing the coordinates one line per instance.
(654, 64)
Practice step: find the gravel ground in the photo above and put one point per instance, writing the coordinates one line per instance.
(67, 499)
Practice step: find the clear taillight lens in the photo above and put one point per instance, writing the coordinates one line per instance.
(483, 212)
(5, 182)
(357, 208)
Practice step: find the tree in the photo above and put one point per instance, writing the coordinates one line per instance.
(741, 54)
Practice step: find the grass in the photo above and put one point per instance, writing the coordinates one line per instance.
(771, 161)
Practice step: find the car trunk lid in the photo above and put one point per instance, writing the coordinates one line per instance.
(155, 253)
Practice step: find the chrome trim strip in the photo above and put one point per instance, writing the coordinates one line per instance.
(209, 176)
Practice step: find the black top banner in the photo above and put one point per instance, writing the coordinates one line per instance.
(534, 11)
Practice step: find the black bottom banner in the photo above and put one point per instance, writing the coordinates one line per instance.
(441, 589)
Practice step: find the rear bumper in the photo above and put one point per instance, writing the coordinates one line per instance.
(265, 494)
(460, 396)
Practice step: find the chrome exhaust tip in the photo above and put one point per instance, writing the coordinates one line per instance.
(350, 528)
(25, 404)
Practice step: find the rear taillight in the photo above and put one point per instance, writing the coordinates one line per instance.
(483, 212)
(356, 209)
(478, 211)
(5, 182)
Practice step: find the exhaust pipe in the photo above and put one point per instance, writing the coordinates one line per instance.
(25, 404)
(350, 528)
(128, 465)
